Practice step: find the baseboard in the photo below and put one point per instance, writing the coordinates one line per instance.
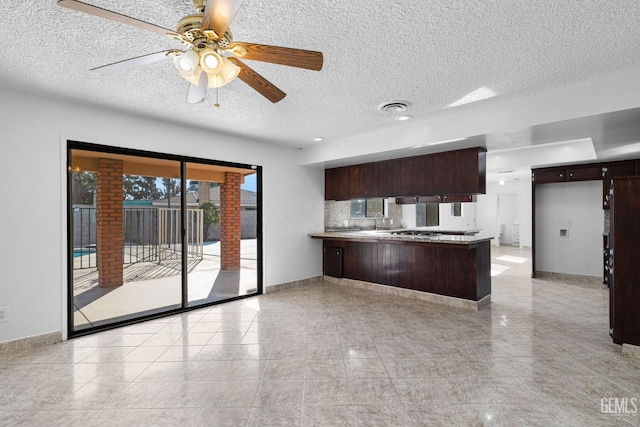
(294, 284)
(17, 346)
(564, 277)
(410, 293)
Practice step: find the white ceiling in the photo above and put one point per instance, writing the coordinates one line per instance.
(431, 53)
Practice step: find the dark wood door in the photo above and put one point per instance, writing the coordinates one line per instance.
(443, 173)
(355, 189)
(402, 177)
(470, 171)
(332, 261)
(385, 179)
(423, 175)
(625, 274)
(615, 171)
(590, 173)
(330, 184)
(369, 180)
(549, 175)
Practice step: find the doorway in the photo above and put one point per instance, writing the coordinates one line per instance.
(152, 234)
(509, 219)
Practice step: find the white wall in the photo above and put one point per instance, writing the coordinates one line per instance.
(508, 214)
(575, 206)
(487, 209)
(32, 219)
(465, 222)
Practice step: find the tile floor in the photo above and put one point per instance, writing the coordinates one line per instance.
(329, 355)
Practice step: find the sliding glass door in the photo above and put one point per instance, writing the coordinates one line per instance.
(226, 199)
(151, 234)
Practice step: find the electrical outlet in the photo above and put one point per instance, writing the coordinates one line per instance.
(4, 314)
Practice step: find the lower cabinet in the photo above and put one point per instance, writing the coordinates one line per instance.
(456, 270)
(332, 261)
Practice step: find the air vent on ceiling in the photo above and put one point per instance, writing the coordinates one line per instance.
(394, 107)
(505, 171)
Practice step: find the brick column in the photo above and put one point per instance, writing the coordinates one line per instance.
(203, 191)
(110, 226)
(230, 222)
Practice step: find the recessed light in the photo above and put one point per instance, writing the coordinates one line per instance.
(318, 139)
(501, 182)
(403, 118)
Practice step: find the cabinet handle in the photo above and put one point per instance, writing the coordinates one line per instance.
(570, 175)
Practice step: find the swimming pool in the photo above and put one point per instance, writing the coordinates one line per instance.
(78, 252)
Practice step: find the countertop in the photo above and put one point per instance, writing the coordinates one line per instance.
(386, 235)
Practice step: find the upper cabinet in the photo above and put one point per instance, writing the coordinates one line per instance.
(443, 174)
(470, 171)
(604, 172)
(461, 172)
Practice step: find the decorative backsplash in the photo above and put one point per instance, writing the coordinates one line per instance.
(337, 216)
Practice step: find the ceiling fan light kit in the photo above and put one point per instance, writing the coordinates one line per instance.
(209, 48)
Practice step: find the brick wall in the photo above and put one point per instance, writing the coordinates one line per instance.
(230, 227)
(109, 233)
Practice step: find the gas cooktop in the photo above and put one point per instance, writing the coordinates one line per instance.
(417, 233)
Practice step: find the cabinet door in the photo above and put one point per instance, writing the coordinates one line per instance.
(591, 173)
(369, 180)
(402, 177)
(330, 184)
(470, 171)
(548, 175)
(423, 173)
(614, 171)
(625, 286)
(443, 174)
(355, 187)
(385, 179)
(332, 261)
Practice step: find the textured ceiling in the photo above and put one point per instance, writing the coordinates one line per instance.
(430, 53)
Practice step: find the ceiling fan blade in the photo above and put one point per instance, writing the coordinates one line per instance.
(104, 13)
(257, 82)
(197, 93)
(308, 59)
(218, 14)
(127, 64)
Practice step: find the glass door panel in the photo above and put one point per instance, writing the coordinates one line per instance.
(222, 233)
(126, 240)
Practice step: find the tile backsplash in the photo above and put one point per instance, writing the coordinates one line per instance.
(337, 212)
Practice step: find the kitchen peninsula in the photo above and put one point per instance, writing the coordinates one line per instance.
(452, 269)
(446, 269)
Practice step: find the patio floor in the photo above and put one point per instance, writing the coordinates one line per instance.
(151, 287)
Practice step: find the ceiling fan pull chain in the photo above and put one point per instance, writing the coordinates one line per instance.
(217, 104)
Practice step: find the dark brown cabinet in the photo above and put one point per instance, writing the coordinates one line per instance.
(461, 271)
(369, 180)
(461, 172)
(612, 171)
(385, 184)
(423, 175)
(332, 261)
(336, 184)
(541, 176)
(470, 171)
(443, 173)
(402, 176)
(588, 173)
(624, 286)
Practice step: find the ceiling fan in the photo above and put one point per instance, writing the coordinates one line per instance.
(211, 57)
